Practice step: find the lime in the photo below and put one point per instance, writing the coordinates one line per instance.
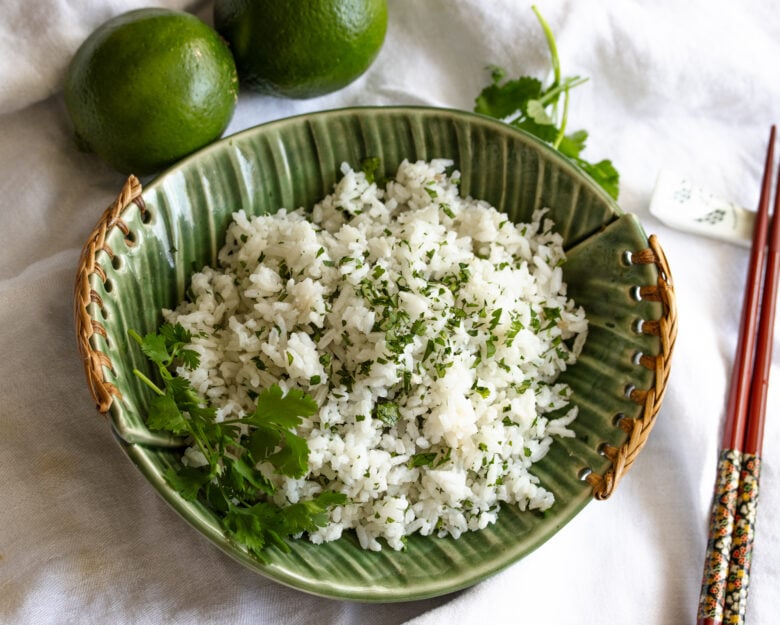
(150, 86)
(301, 48)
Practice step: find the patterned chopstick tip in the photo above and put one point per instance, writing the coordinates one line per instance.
(719, 545)
(742, 542)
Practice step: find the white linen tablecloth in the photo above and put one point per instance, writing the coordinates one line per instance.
(688, 86)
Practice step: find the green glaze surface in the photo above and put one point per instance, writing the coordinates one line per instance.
(294, 162)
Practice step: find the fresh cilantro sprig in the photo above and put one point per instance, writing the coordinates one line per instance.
(542, 110)
(230, 482)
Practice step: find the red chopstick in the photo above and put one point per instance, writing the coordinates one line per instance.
(747, 496)
(729, 549)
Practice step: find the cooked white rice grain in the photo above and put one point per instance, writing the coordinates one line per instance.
(408, 298)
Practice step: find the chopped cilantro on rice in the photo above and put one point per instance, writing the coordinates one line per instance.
(429, 329)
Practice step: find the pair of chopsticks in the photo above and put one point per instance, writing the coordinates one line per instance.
(732, 522)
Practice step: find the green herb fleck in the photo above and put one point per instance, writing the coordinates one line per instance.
(386, 412)
(483, 391)
(422, 459)
(447, 210)
(370, 167)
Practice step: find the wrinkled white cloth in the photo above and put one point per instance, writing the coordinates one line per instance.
(687, 86)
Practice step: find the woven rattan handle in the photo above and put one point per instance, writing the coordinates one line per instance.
(665, 329)
(85, 297)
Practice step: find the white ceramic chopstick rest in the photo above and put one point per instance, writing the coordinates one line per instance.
(681, 204)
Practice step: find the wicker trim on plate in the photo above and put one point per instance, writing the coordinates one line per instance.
(665, 328)
(96, 362)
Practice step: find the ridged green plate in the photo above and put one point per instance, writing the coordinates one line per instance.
(294, 162)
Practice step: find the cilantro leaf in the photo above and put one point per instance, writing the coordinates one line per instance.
(167, 345)
(307, 516)
(275, 415)
(264, 524)
(262, 441)
(529, 105)
(243, 479)
(231, 483)
(251, 527)
(164, 414)
(572, 144)
(155, 347)
(293, 457)
(545, 132)
(190, 359)
(188, 481)
(175, 334)
(605, 174)
(504, 100)
(274, 408)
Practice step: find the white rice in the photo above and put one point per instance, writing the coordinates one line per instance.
(410, 298)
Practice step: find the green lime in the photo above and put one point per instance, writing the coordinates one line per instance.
(301, 48)
(149, 87)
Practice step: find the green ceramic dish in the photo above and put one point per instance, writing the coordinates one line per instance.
(143, 252)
